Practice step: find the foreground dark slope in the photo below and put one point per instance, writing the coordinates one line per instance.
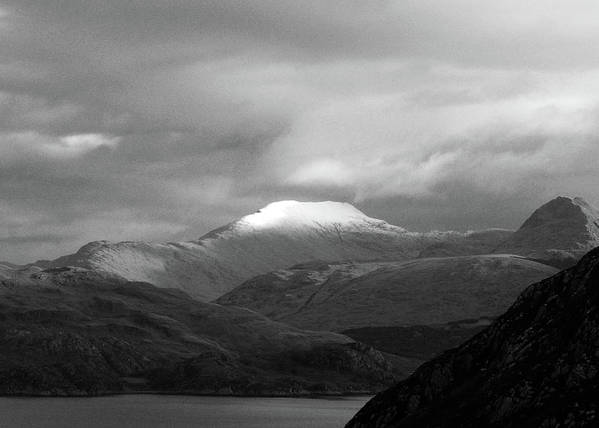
(71, 331)
(536, 366)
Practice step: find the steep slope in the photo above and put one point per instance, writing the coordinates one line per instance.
(535, 366)
(430, 291)
(559, 232)
(280, 235)
(70, 331)
(419, 342)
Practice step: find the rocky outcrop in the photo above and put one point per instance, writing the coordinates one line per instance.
(535, 366)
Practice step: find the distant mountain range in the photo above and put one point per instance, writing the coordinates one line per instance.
(286, 233)
(133, 316)
(535, 366)
(280, 235)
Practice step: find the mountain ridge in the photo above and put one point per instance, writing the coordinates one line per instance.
(283, 234)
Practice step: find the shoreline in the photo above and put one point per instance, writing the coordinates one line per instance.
(191, 394)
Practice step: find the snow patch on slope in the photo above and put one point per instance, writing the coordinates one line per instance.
(280, 235)
(294, 217)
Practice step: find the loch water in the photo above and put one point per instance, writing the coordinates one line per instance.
(172, 411)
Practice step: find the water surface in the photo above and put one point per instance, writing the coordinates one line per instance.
(152, 411)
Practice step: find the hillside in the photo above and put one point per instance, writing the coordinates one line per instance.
(70, 331)
(535, 366)
(338, 297)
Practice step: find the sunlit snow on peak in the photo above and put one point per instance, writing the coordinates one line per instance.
(294, 212)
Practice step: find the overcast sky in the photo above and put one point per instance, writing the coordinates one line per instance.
(162, 119)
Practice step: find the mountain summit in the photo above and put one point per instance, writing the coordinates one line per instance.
(307, 213)
(295, 216)
(279, 235)
(563, 228)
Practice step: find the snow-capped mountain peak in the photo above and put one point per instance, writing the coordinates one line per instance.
(307, 213)
(279, 235)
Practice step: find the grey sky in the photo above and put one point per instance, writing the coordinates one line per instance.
(159, 120)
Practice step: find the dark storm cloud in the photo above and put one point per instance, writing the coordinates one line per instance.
(500, 33)
(150, 119)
